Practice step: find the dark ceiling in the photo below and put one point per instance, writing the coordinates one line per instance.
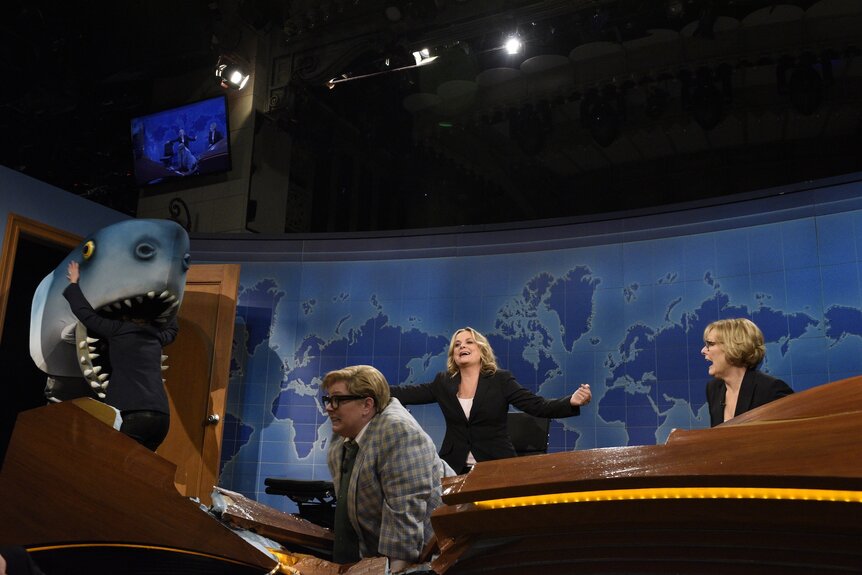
(613, 105)
(78, 72)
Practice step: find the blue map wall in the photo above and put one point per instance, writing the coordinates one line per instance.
(619, 304)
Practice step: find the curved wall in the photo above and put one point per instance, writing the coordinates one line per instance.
(620, 302)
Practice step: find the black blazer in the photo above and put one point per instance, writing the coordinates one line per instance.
(135, 352)
(183, 140)
(757, 389)
(213, 137)
(485, 432)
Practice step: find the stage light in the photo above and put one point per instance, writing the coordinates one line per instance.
(421, 56)
(232, 72)
(513, 45)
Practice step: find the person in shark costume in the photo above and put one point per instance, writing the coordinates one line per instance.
(134, 274)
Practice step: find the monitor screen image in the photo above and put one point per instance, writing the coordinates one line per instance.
(189, 140)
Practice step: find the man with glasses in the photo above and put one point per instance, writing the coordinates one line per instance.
(385, 469)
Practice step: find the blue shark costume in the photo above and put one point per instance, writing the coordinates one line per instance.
(134, 274)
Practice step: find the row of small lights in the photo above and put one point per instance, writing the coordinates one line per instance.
(838, 496)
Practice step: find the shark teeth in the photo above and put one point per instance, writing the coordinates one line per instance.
(94, 372)
(95, 364)
(150, 305)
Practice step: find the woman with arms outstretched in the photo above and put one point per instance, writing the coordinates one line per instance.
(474, 396)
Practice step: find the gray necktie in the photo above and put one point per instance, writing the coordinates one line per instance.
(345, 548)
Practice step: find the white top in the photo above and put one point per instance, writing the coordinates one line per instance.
(467, 406)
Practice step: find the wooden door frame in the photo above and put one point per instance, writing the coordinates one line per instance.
(226, 276)
(17, 226)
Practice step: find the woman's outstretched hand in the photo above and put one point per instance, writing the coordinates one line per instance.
(582, 396)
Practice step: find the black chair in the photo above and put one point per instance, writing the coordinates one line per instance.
(529, 434)
(168, 154)
(314, 499)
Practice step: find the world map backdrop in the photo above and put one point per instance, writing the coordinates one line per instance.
(625, 316)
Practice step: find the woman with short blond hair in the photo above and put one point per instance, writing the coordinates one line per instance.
(735, 348)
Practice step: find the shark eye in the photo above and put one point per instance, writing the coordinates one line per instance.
(187, 260)
(89, 249)
(145, 250)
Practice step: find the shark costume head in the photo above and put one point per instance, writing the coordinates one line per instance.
(133, 270)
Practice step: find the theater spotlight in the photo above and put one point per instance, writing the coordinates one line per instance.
(422, 55)
(421, 58)
(513, 45)
(232, 72)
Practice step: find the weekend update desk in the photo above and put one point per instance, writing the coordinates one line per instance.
(775, 490)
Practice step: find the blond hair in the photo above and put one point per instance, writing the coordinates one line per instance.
(486, 354)
(741, 340)
(364, 380)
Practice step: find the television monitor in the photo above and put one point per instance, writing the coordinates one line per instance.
(186, 141)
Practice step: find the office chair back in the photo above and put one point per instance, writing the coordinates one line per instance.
(529, 434)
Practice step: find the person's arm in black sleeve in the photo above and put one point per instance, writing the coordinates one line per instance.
(780, 389)
(169, 333)
(85, 313)
(414, 394)
(535, 405)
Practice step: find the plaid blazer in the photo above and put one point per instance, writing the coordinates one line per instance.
(394, 487)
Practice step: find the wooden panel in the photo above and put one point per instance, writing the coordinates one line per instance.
(285, 528)
(198, 376)
(69, 478)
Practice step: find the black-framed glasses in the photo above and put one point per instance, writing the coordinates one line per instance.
(708, 344)
(335, 400)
